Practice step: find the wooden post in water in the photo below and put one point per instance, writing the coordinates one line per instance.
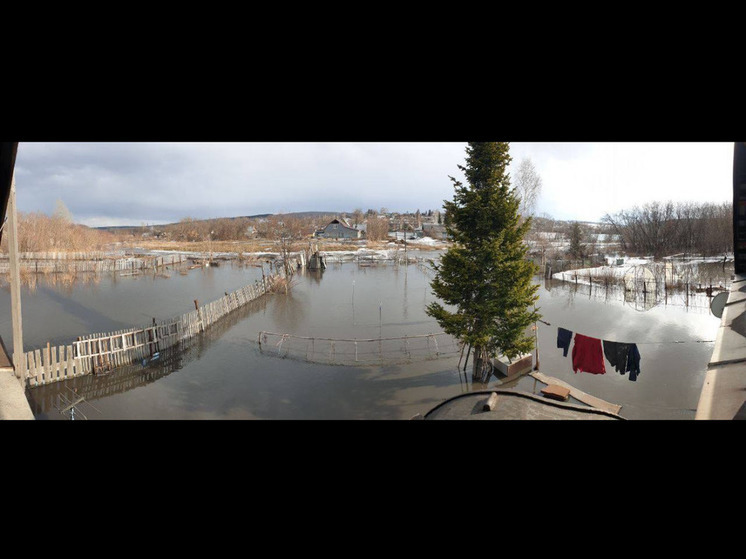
(199, 316)
(15, 283)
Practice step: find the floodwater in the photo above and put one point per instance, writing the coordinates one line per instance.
(226, 374)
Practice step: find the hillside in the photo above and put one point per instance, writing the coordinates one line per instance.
(124, 228)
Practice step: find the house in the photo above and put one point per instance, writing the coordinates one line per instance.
(339, 229)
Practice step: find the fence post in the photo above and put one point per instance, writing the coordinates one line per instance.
(199, 316)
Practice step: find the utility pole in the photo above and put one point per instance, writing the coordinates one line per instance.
(15, 283)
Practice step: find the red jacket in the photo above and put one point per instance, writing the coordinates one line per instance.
(588, 355)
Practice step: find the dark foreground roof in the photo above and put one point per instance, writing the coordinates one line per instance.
(7, 164)
(513, 404)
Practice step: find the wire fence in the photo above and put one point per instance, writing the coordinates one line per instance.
(353, 351)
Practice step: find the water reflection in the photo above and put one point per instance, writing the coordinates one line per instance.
(313, 275)
(88, 316)
(223, 374)
(288, 310)
(59, 313)
(44, 399)
(641, 301)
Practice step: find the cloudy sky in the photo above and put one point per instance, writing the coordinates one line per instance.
(134, 183)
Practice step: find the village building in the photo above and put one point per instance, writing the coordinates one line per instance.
(339, 229)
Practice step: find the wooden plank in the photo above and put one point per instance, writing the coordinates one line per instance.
(31, 369)
(31, 373)
(39, 366)
(70, 362)
(62, 363)
(578, 394)
(38, 370)
(47, 367)
(54, 367)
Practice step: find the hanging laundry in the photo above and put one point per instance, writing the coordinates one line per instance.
(633, 362)
(617, 354)
(564, 337)
(588, 355)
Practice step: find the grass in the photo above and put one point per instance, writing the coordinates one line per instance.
(264, 245)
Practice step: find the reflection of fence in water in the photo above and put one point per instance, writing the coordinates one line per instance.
(641, 296)
(352, 351)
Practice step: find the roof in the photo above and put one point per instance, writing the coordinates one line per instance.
(342, 222)
(513, 404)
(7, 164)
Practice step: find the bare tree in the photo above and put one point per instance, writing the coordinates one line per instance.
(41, 232)
(377, 227)
(664, 228)
(357, 216)
(527, 185)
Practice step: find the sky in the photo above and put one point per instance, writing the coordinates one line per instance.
(135, 183)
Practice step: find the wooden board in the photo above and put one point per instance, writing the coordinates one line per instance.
(578, 394)
(556, 392)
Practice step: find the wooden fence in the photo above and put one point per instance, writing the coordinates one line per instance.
(102, 352)
(63, 265)
(67, 255)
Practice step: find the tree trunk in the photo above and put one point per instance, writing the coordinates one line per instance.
(478, 362)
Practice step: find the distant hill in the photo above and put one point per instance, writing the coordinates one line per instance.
(255, 216)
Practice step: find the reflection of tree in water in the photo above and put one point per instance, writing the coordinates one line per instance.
(287, 311)
(638, 299)
(43, 399)
(314, 275)
(64, 281)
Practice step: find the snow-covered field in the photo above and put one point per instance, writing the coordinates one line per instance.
(676, 270)
(394, 250)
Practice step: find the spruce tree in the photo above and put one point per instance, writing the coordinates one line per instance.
(576, 241)
(485, 277)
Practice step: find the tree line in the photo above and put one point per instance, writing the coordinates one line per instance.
(276, 227)
(666, 228)
(39, 232)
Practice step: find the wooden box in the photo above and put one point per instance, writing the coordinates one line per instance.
(519, 366)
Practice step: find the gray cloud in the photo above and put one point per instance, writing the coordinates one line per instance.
(135, 182)
(131, 183)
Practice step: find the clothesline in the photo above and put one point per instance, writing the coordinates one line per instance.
(658, 343)
(588, 354)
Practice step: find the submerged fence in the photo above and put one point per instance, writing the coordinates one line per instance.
(101, 353)
(55, 263)
(353, 351)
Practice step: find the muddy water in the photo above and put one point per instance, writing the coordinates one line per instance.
(225, 374)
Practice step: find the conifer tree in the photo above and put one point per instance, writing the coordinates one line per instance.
(576, 241)
(484, 277)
